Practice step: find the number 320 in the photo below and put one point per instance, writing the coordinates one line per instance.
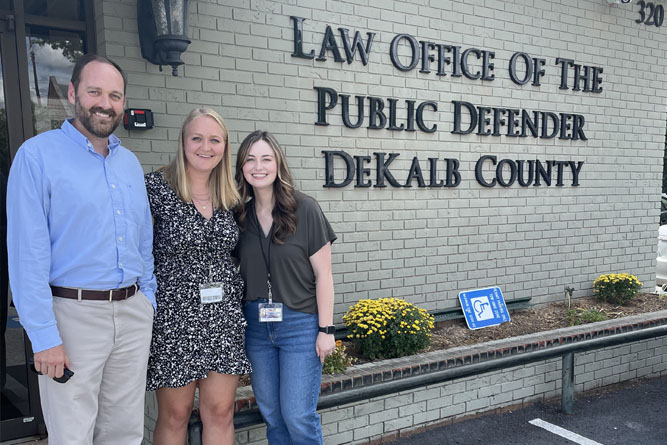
(650, 13)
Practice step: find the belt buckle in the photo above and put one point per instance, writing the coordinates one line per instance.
(110, 295)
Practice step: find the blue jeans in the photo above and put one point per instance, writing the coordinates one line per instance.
(286, 375)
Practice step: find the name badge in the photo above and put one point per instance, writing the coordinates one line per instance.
(210, 293)
(269, 312)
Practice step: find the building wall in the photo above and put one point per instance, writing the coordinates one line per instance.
(385, 416)
(428, 243)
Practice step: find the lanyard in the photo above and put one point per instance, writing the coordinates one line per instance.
(267, 258)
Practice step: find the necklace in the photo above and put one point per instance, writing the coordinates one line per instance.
(201, 203)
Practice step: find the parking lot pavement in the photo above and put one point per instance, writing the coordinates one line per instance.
(627, 413)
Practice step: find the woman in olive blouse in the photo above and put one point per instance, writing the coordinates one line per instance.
(285, 256)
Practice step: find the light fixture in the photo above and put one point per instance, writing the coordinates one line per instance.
(163, 31)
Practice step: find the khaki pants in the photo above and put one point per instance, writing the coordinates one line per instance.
(108, 345)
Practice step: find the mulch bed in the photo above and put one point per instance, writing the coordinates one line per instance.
(453, 333)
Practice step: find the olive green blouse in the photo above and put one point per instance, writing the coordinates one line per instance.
(292, 276)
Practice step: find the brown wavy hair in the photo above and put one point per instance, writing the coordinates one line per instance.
(220, 183)
(284, 210)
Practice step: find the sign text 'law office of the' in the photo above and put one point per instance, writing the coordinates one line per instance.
(439, 59)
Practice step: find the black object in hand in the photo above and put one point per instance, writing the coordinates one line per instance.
(67, 374)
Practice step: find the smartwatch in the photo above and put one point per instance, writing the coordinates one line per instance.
(327, 329)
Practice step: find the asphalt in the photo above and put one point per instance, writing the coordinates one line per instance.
(624, 414)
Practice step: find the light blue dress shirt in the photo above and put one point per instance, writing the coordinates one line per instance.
(74, 219)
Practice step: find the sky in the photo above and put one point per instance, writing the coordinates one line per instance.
(49, 62)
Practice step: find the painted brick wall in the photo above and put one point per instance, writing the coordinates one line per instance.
(412, 410)
(385, 416)
(426, 244)
(369, 420)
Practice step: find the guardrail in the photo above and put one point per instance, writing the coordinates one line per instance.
(566, 351)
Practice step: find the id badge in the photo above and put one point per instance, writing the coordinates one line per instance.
(210, 293)
(269, 312)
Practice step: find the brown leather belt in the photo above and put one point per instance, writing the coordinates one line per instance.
(84, 294)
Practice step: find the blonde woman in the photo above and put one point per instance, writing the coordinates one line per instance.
(198, 330)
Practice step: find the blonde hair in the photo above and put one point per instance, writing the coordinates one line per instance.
(221, 184)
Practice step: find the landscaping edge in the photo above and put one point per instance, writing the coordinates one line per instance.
(389, 416)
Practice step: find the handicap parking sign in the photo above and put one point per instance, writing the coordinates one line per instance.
(484, 307)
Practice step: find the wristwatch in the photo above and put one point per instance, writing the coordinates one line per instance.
(327, 329)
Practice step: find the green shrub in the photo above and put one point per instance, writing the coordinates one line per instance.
(388, 327)
(616, 288)
(338, 361)
(584, 316)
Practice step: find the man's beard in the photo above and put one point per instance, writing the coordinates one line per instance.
(97, 129)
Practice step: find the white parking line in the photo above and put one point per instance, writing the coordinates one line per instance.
(562, 432)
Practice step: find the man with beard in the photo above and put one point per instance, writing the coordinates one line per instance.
(81, 264)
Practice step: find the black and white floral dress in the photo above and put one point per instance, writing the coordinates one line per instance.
(190, 338)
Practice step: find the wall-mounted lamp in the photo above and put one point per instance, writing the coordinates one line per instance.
(163, 31)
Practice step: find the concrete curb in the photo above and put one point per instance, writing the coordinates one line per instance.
(375, 373)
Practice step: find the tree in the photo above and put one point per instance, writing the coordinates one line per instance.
(71, 48)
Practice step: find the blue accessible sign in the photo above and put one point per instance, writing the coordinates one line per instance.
(484, 307)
